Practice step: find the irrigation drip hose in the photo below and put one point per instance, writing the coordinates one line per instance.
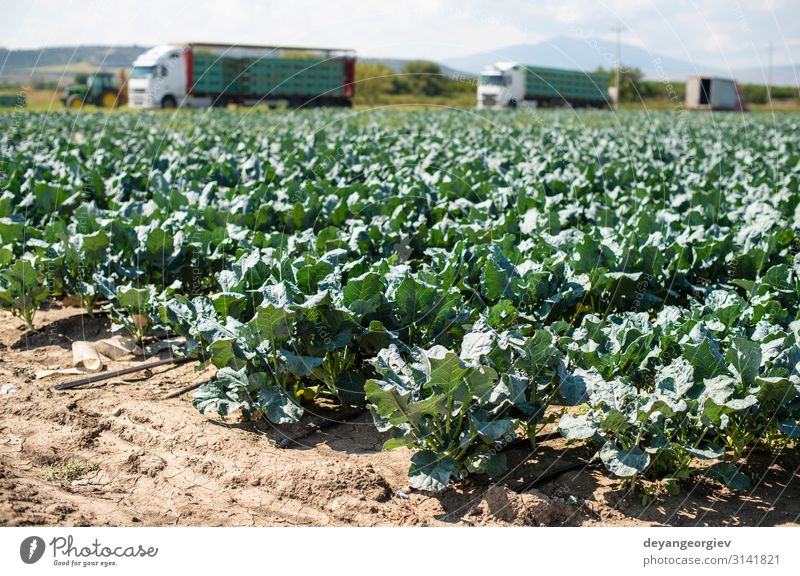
(115, 373)
(313, 428)
(182, 391)
(539, 439)
(545, 478)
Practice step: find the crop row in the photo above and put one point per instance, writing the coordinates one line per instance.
(470, 278)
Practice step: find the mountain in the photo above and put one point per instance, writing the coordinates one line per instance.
(781, 75)
(96, 56)
(582, 54)
(591, 53)
(61, 63)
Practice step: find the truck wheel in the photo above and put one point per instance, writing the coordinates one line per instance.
(168, 102)
(74, 102)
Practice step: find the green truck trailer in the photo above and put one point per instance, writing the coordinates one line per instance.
(507, 85)
(198, 74)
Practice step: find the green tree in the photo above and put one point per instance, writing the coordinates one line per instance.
(421, 77)
(629, 84)
(373, 81)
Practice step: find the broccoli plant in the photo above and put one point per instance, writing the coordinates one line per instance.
(22, 290)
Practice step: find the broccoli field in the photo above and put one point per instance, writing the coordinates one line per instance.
(470, 278)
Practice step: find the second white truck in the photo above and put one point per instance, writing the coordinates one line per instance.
(508, 85)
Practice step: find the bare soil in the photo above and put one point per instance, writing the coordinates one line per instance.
(116, 453)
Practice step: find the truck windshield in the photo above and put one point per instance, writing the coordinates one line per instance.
(492, 79)
(142, 71)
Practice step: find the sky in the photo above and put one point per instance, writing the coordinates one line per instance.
(721, 33)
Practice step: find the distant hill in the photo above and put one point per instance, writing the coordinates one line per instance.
(590, 53)
(62, 56)
(781, 75)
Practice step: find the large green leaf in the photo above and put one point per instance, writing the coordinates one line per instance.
(624, 463)
(271, 323)
(362, 295)
(278, 406)
(745, 358)
(431, 472)
(578, 427)
(448, 374)
(730, 475)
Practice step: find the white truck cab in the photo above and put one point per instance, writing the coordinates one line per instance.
(501, 85)
(158, 79)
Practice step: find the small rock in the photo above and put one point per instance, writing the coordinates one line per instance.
(531, 508)
(7, 389)
(80, 482)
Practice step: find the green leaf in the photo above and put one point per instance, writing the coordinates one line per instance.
(710, 452)
(492, 430)
(675, 379)
(350, 388)
(229, 303)
(487, 463)
(221, 395)
(615, 421)
(393, 443)
(300, 365)
(271, 323)
(278, 406)
(376, 337)
(730, 475)
(705, 357)
(363, 295)
(623, 463)
(775, 391)
(481, 381)
(431, 472)
(790, 427)
(499, 277)
(431, 406)
(414, 300)
(745, 358)
(476, 345)
(448, 374)
(388, 402)
(577, 386)
(225, 352)
(134, 299)
(578, 427)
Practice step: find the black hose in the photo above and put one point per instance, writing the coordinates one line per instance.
(107, 375)
(548, 476)
(314, 428)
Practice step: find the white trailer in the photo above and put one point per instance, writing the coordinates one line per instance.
(712, 93)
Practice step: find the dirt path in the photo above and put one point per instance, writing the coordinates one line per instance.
(116, 454)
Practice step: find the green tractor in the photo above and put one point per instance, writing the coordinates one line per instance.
(100, 89)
